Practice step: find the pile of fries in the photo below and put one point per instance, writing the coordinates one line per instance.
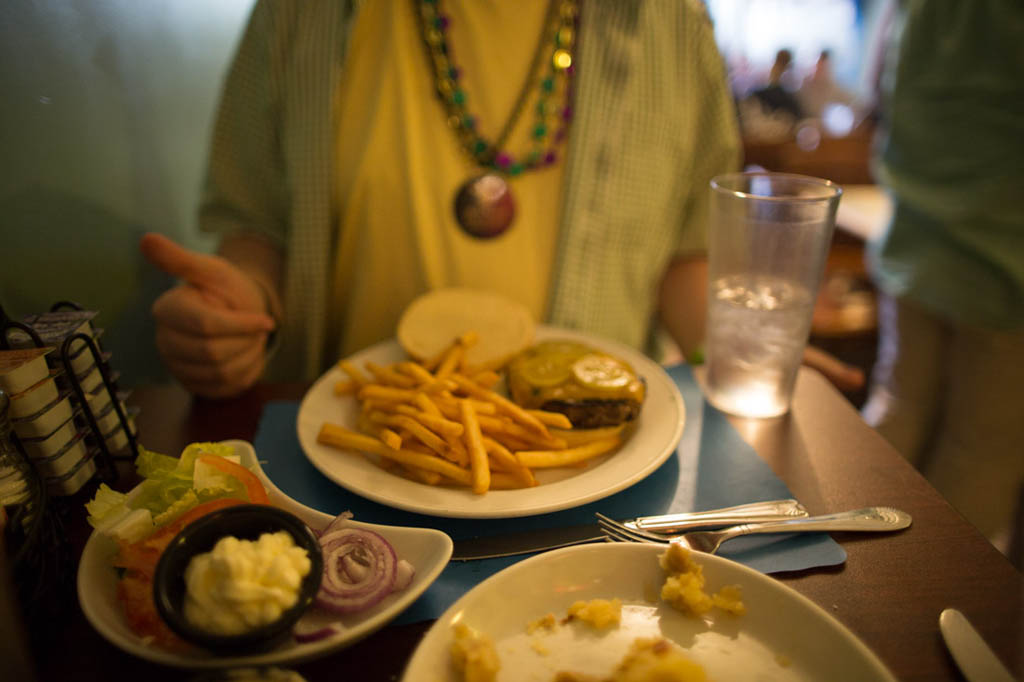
(442, 423)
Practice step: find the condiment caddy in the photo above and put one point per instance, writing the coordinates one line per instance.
(68, 416)
(65, 422)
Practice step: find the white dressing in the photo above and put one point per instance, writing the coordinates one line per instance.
(242, 584)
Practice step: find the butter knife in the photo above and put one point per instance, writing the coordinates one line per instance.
(973, 656)
(542, 539)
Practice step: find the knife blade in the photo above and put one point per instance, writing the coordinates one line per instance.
(524, 542)
(972, 654)
(542, 539)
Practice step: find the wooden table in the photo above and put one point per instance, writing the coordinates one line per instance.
(889, 592)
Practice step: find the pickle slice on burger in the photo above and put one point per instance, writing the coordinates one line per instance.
(592, 388)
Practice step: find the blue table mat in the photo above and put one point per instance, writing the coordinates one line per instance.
(713, 467)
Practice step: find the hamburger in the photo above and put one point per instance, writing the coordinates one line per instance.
(598, 392)
(594, 389)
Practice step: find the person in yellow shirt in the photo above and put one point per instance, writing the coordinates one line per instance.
(558, 153)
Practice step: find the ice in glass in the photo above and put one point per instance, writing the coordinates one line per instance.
(769, 238)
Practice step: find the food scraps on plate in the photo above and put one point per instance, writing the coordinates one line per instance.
(475, 658)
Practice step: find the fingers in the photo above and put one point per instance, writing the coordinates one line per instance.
(173, 259)
(214, 352)
(221, 379)
(221, 283)
(175, 345)
(844, 376)
(189, 310)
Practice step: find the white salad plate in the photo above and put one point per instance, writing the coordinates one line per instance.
(653, 440)
(426, 549)
(782, 636)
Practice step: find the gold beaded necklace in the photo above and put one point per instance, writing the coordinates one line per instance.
(483, 205)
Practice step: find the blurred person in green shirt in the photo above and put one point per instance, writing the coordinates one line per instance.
(946, 391)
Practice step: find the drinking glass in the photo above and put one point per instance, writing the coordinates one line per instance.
(768, 241)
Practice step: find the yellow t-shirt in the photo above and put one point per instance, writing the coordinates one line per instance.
(399, 167)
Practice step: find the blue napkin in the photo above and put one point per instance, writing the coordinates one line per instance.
(713, 467)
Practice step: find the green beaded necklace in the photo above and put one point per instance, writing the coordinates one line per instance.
(484, 206)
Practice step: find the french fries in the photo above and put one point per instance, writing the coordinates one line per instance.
(440, 422)
(539, 459)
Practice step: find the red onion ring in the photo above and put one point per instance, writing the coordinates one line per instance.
(404, 576)
(360, 568)
(336, 523)
(304, 633)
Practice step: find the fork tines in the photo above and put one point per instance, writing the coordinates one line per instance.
(615, 531)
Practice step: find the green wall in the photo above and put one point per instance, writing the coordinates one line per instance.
(104, 122)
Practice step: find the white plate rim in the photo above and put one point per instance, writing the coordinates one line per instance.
(663, 415)
(425, 655)
(437, 543)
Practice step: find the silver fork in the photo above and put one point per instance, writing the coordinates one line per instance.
(867, 519)
(751, 512)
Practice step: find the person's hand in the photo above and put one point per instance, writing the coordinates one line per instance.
(212, 328)
(843, 376)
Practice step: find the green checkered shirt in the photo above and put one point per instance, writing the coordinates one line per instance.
(653, 122)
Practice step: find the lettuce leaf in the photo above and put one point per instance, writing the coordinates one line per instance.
(170, 487)
(106, 505)
(186, 464)
(110, 513)
(188, 500)
(157, 495)
(168, 480)
(210, 482)
(151, 464)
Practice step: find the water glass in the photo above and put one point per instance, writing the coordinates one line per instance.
(768, 241)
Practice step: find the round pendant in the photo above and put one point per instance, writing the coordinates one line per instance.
(484, 207)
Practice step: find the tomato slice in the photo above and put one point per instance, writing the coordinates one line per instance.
(138, 558)
(255, 490)
(143, 555)
(135, 591)
(163, 536)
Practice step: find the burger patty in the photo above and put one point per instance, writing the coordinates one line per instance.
(593, 413)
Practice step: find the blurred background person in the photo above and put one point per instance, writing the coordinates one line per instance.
(946, 390)
(779, 93)
(743, 77)
(783, 74)
(820, 89)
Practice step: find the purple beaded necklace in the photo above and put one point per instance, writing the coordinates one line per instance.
(484, 206)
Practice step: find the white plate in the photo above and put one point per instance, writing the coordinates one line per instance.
(426, 549)
(783, 635)
(654, 439)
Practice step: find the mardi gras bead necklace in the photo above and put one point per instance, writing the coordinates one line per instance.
(484, 205)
